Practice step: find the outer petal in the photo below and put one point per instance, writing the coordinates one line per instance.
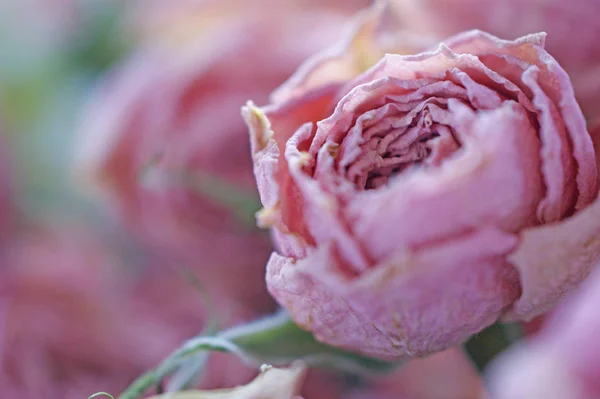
(554, 259)
(405, 307)
(270, 129)
(551, 81)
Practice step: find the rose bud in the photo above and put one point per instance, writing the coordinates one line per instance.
(176, 165)
(419, 201)
(564, 355)
(571, 27)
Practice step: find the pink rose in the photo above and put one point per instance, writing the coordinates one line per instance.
(417, 202)
(571, 26)
(163, 144)
(563, 361)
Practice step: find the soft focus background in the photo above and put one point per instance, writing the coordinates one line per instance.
(126, 191)
(84, 307)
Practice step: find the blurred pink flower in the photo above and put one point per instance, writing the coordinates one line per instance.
(571, 26)
(75, 321)
(179, 23)
(163, 139)
(415, 203)
(444, 375)
(563, 361)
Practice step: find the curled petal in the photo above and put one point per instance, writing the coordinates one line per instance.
(554, 259)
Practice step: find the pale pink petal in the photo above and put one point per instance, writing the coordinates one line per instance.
(500, 151)
(554, 259)
(400, 307)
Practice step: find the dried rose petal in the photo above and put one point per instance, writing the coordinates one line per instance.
(410, 202)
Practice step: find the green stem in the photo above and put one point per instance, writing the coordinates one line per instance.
(274, 340)
(171, 363)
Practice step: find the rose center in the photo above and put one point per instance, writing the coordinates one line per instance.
(396, 160)
(422, 142)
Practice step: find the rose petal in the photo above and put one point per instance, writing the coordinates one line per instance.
(554, 259)
(461, 194)
(404, 307)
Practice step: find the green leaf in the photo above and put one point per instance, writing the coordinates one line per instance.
(484, 346)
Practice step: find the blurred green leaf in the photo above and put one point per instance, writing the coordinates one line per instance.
(483, 347)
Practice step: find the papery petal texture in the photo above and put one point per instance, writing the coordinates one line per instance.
(409, 199)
